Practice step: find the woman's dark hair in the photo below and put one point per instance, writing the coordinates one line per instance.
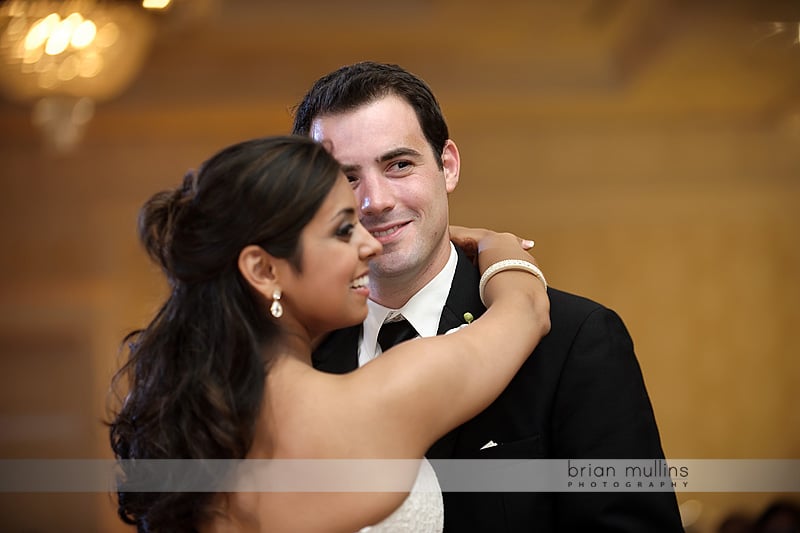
(361, 83)
(195, 375)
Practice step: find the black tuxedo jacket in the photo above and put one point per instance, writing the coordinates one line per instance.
(580, 395)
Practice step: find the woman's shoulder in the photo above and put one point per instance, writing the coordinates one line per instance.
(294, 410)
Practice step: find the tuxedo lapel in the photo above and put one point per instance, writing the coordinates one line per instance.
(338, 353)
(463, 298)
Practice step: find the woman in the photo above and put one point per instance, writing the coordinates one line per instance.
(265, 255)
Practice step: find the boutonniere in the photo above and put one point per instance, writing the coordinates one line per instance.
(468, 318)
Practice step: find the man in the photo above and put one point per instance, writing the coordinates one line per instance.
(580, 395)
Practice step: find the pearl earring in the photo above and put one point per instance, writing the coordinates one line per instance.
(276, 308)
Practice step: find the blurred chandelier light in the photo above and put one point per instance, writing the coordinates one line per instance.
(64, 56)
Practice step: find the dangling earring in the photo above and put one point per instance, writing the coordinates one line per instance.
(276, 308)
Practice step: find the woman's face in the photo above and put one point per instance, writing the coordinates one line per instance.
(331, 291)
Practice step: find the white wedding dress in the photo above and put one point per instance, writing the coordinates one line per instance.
(421, 512)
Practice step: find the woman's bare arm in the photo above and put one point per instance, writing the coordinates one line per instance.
(400, 403)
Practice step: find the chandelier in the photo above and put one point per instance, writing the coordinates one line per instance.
(62, 57)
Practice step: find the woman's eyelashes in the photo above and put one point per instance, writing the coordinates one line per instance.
(345, 231)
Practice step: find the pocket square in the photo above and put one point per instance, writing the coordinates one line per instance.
(453, 330)
(490, 444)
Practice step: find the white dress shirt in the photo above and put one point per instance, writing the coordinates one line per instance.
(423, 311)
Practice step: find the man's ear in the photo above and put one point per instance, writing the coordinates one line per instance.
(451, 165)
(258, 269)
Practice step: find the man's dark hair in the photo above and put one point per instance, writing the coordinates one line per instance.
(358, 84)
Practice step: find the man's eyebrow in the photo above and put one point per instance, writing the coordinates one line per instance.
(398, 152)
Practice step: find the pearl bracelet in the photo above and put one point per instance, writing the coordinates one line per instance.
(509, 264)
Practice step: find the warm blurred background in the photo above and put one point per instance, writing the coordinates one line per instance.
(651, 147)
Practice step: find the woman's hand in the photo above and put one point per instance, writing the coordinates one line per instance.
(468, 240)
(486, 248)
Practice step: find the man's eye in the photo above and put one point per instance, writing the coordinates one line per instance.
(345, 230)
(352, 181)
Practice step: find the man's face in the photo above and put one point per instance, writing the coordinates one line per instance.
(400, 190)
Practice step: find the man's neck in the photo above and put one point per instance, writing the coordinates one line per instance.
(395, 291)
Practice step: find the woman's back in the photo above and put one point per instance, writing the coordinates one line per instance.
(300, 417)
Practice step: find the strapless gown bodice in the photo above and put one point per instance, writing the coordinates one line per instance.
(421, 512)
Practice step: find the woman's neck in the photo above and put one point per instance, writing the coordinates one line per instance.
(297, 347)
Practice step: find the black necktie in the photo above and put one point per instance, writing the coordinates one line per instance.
(392, 333)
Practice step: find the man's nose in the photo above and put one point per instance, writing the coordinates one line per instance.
(375, 196)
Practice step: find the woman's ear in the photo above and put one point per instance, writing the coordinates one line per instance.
(258, 269)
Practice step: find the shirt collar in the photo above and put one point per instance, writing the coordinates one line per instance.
(423, 310)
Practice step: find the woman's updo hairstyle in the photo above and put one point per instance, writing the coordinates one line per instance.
(262, 191)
